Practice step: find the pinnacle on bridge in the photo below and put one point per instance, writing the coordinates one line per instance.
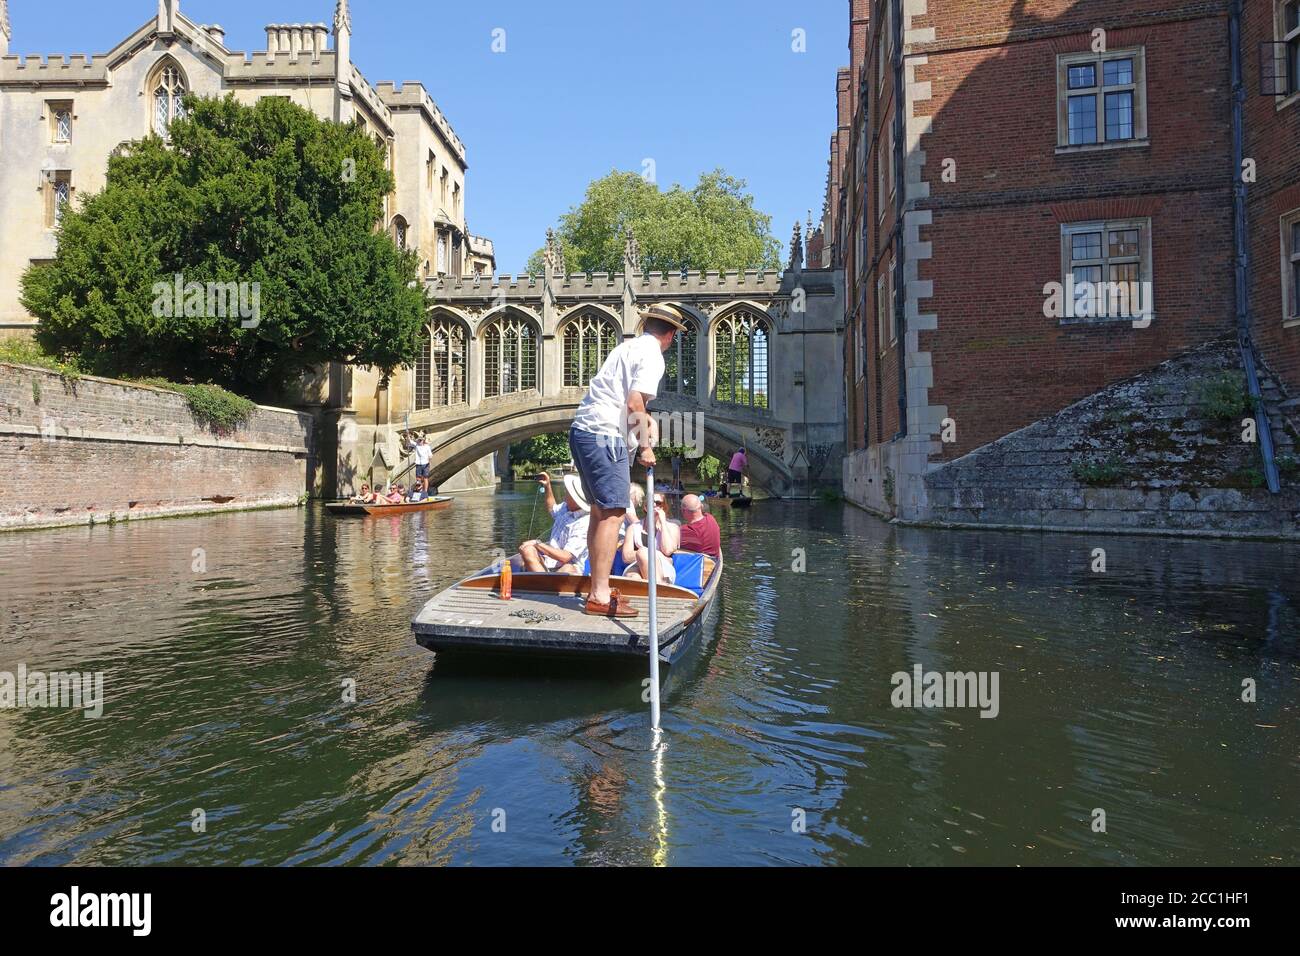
(796, 249)
(342, 17)
(631, 254)
(555, 253)
(6, 30)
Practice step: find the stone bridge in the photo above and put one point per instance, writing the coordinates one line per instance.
(507, 358)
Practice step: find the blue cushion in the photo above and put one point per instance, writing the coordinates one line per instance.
(688, 567)
(619, 565)
(690, 571)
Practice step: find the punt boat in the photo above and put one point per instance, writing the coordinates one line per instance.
(544, 616)
(351, 509)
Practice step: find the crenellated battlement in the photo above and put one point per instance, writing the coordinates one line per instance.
(54, 68)
(411, 94)
(651, 285)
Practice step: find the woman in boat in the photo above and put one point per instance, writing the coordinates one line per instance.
(636, 551)
(363, 497)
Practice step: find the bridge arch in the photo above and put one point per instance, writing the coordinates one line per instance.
(517, 420)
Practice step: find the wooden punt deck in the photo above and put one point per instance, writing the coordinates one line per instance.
(545, 617)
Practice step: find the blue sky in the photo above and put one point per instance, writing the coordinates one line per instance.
(583, 87)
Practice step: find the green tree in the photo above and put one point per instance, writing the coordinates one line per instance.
(268, 196)
(542, 450)
(711, 226)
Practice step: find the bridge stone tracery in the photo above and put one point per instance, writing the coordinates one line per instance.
(514, 377)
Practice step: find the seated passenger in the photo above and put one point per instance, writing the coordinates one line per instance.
(363, 496)
(566, 549)
(636, 550)
(396, 495)
(700, 532)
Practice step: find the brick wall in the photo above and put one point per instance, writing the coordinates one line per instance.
(1272, 135)
(73, 452)
(978, 250)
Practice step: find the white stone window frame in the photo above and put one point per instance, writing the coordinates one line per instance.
(1064, 94)
(883, 322)
(1282, 35)
(1143, 258)
(166, 90)
(1289, 224)
(59, 195)
(885, 45)
(884, 187)
(61, 114)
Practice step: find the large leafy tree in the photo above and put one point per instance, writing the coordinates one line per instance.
(268, 195)
(713, 225)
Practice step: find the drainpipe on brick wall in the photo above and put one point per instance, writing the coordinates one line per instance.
(900, 204)
(1241, 243)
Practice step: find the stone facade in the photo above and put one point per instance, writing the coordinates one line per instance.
(60, 118)
(94, 450)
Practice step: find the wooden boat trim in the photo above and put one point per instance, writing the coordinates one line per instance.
(530, 582)
(354, 508)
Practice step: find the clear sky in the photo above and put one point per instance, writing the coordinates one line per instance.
(583, 87)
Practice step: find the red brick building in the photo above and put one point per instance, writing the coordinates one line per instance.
(1271, 66)
(1034, 200)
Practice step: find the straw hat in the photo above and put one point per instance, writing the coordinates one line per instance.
(573, 487)
(665, 313)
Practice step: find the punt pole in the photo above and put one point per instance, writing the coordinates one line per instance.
(651, 574)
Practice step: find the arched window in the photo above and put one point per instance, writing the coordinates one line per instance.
(740, 358)
(441, 365)
(588, 340)
(400, 232)
(168, 87)
(681, 361)
(509, 356)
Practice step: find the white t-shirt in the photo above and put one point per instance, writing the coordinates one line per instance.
(637, 366)
(422, 454)
(568, 533)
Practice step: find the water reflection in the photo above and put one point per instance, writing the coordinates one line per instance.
(226, 691)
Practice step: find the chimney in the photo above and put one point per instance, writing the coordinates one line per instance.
(273, 39)
(322, 40)
(217, 32)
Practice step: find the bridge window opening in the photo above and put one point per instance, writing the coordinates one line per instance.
(440, 366)
(680, 364)
(588, 340)
(509, 357)
(741, 359)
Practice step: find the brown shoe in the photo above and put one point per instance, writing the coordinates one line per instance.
(617, 607)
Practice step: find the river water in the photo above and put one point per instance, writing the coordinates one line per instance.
(228, 645)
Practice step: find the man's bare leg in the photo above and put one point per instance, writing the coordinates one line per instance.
(602, 540)
(532, 560)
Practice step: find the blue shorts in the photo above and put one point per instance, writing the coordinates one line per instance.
(603, 466)
(421, 471)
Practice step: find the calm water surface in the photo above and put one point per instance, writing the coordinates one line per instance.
(1119, 691)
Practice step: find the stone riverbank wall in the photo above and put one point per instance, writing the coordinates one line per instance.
(93, 450)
